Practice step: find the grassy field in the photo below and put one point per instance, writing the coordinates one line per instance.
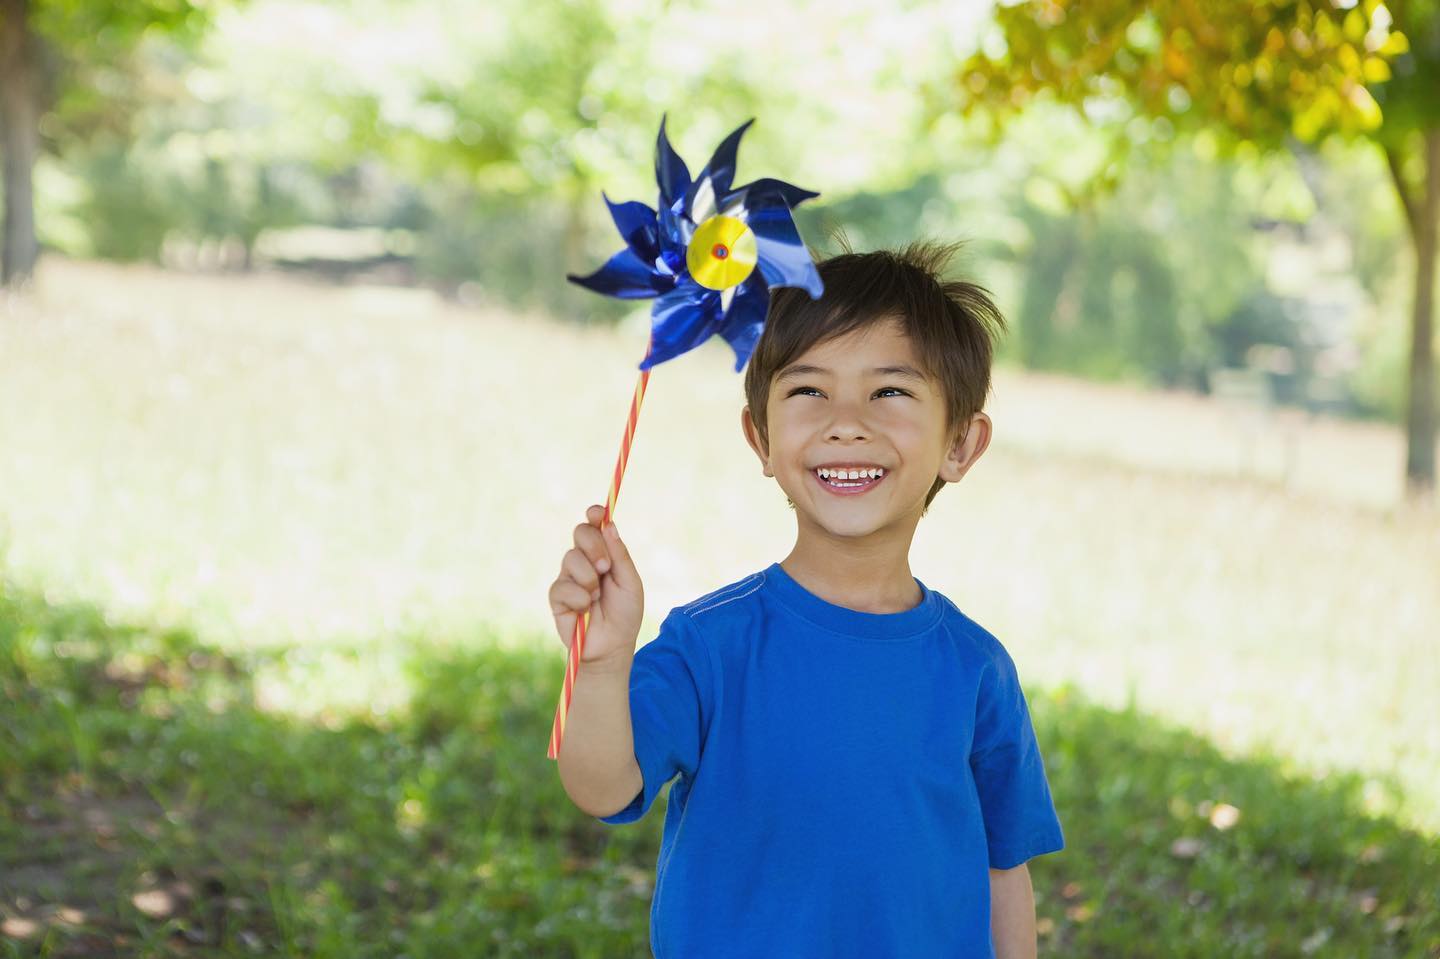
(275, 632)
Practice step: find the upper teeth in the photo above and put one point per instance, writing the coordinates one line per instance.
(871, 473)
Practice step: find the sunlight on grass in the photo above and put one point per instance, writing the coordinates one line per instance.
(345, 470)
(199, 822)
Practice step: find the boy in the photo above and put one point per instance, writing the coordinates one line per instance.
(859, 776)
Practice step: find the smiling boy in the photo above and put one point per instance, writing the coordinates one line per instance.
(858, 772)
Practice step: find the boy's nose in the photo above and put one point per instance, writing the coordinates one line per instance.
(847, 430)
(847, 423)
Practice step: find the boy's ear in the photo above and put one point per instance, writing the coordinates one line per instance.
(966, 449)
(752, 436)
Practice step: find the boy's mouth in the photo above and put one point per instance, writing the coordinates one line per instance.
(847, 480)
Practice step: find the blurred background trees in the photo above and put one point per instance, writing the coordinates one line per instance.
(1274, 75)
(1156, 191)
(69, 75)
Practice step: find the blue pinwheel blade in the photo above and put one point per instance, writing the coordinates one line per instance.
(784, 261)
(745, 319)
(623, 276)
(671, 173)
(676, 229)
(721, 168)
(638, 225)
(681, 320)
(768, 192)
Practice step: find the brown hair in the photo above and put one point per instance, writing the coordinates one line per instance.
(952, 323)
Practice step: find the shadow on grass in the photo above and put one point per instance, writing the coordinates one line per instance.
(148, 806)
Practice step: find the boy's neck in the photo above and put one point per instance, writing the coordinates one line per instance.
(869, 576)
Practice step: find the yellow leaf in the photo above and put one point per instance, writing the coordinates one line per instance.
(1349, 60)
(1395, 44)
(1274, 42)
(1355, 26)
(1367, 111)
(1376, 70)
(1307, 123)
(1176, 63)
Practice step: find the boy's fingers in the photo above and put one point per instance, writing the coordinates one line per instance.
(589, 541)
(578, 567)
(568, 596)
(567, 601)
(565, 626)
(623, 570)
(595, 515)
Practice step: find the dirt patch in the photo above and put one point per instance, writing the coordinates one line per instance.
(93, 875)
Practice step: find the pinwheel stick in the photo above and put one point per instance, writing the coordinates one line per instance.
(577, 641)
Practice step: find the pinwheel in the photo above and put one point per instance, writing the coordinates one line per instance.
(708, 253)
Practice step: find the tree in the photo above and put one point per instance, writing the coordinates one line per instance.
(51, 54)
(1265, 73)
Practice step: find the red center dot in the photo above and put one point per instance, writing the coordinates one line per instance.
(721, 251)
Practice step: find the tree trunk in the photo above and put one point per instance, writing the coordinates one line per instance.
(19, 140)
(1420, 419)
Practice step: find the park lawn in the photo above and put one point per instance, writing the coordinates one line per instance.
(287, 465)
(151, 806)
(274, 653)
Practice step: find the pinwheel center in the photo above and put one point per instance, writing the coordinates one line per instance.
(722, 253)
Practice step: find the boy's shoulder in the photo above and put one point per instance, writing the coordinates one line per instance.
(986, 643)
(726, 595)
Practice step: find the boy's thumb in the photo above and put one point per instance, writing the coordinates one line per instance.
(622, 567)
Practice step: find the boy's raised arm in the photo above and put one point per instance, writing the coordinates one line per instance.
(597, 754)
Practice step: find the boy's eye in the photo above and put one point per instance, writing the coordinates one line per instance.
(882, 391)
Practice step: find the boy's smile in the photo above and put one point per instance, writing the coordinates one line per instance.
(856, 437)
(849, 479)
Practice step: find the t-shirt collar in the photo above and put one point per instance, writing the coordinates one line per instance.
(853, 622)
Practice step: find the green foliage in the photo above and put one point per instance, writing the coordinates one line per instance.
(139, 196)
(1133, 283)
(1260, 71)
(138, 760)
(511, 249)
(127, 210)
(1407, 97)
(1245, 78)
(95, 83)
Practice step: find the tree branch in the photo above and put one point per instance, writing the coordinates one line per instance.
(1403, 189)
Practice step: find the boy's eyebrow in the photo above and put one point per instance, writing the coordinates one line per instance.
(801, 369)
(906, 371)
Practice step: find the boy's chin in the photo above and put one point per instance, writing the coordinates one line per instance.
(841, 527)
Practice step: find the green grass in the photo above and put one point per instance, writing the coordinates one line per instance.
(150, 807)
(287, 465)
(276, 644)
(136, 762)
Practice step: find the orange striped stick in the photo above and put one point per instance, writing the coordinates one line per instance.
(577, 641)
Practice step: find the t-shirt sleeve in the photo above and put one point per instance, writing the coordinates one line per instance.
(1019, 812)
(671, 694)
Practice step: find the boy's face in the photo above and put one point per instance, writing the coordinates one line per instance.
(861, 403)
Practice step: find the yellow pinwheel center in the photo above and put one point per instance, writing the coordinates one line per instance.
(722, 253)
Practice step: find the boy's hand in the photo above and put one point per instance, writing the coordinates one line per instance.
(598, 575)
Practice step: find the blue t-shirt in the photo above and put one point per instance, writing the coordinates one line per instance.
(847, 779)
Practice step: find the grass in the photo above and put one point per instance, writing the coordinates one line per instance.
(151, 807)
(332, 514)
